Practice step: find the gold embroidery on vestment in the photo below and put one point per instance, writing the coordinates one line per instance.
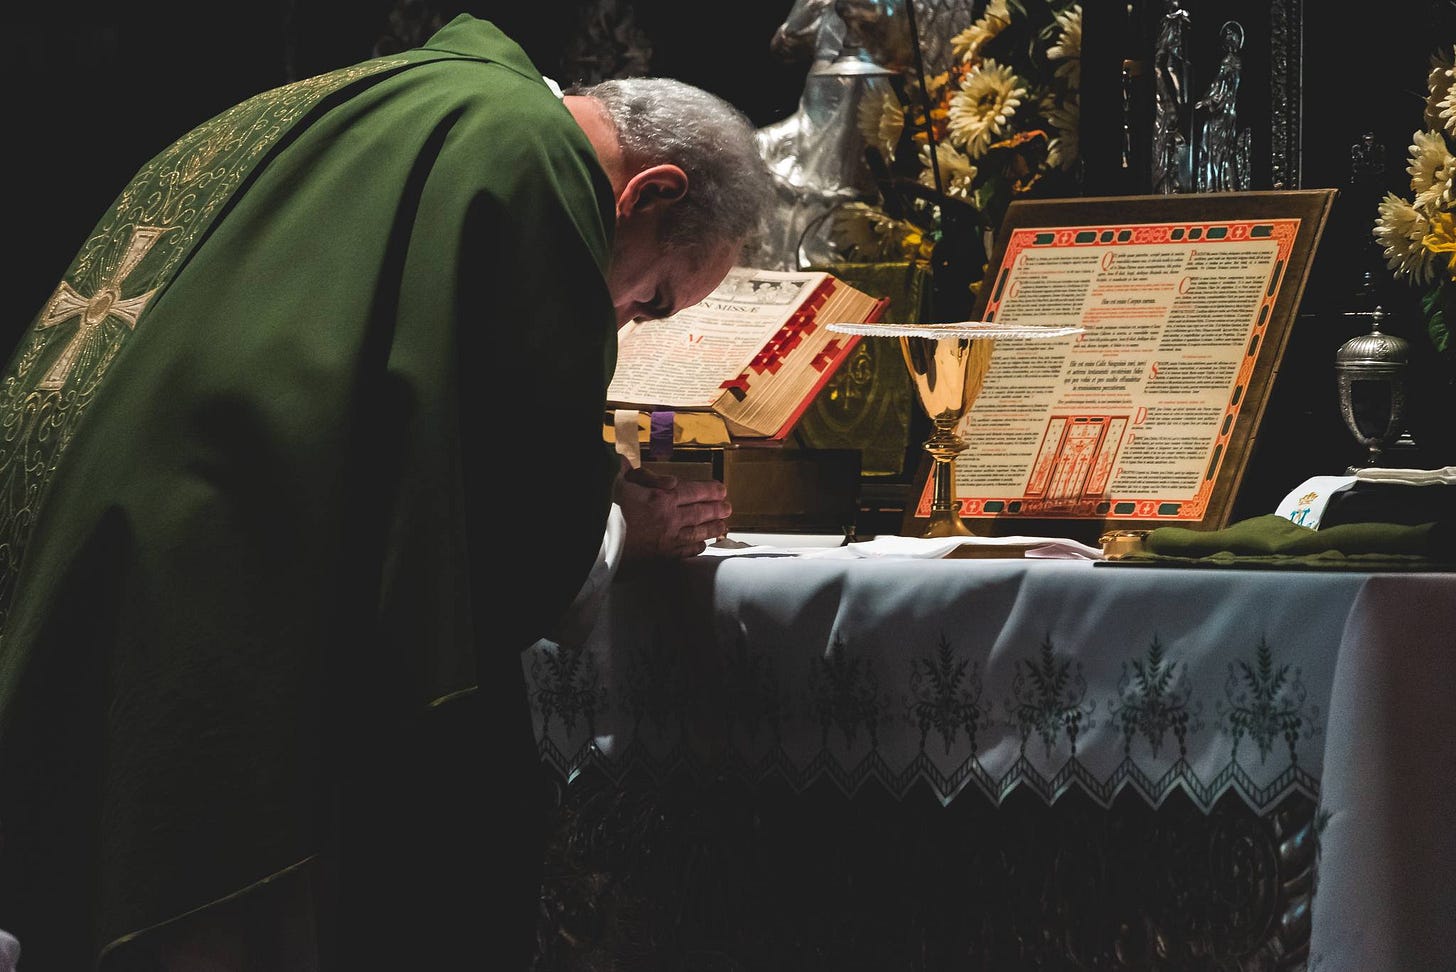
(93, 311)
(138, 246)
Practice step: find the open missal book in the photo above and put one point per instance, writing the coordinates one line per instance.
(754, 352)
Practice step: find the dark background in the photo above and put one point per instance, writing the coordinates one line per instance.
(94, 89)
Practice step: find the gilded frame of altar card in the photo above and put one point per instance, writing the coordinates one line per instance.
(1148, 417)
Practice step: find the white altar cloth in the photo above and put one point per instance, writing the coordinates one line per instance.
(982, 676)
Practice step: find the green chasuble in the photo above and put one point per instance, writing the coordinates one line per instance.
(307, 441)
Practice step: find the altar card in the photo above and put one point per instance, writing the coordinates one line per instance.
(1149, 416)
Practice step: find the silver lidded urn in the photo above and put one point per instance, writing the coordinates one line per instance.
(1371, 373)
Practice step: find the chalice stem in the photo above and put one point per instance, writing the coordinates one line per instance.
(945, 514)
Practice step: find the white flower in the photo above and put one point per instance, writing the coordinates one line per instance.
(1068, 46)
(1399, 229)
(881, 119)
(1448, 107)
(956, 171)
(1066, 144)
(968, 43)
(1441, 104)
(858, 229)
(1443, 185)
(1416, 235)
(988, 97)
(1428, 156)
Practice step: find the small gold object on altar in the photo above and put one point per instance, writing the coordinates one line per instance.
(1117, 544)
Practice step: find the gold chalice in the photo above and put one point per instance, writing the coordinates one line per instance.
(948, 364)
(947, 373)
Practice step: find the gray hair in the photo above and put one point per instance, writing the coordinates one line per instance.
(661, 120)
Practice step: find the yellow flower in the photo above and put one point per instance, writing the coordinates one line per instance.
(1441, 238)
(917, 246)
(983, 107)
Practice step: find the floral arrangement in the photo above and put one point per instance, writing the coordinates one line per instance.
(1004, 118)
(1418, 235)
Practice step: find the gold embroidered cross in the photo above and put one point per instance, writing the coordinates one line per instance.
(106, 302)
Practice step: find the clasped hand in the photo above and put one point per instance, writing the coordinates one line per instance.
(668, 517)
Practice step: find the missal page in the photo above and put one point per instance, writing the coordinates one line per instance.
(682, 361)
(1131, 417)
(773, 404)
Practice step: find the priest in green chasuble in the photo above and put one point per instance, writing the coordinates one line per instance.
(303, 452)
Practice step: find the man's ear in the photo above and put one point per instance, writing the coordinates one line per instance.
(657, 186)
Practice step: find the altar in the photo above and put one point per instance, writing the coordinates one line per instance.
(833, 762)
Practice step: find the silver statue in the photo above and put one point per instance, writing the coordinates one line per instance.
(876, 31)
(856, 48)
(817, 154)
(1223, 150)
(1172, 152)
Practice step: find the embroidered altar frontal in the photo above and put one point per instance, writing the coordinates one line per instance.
(983, 677)
(993, 764)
